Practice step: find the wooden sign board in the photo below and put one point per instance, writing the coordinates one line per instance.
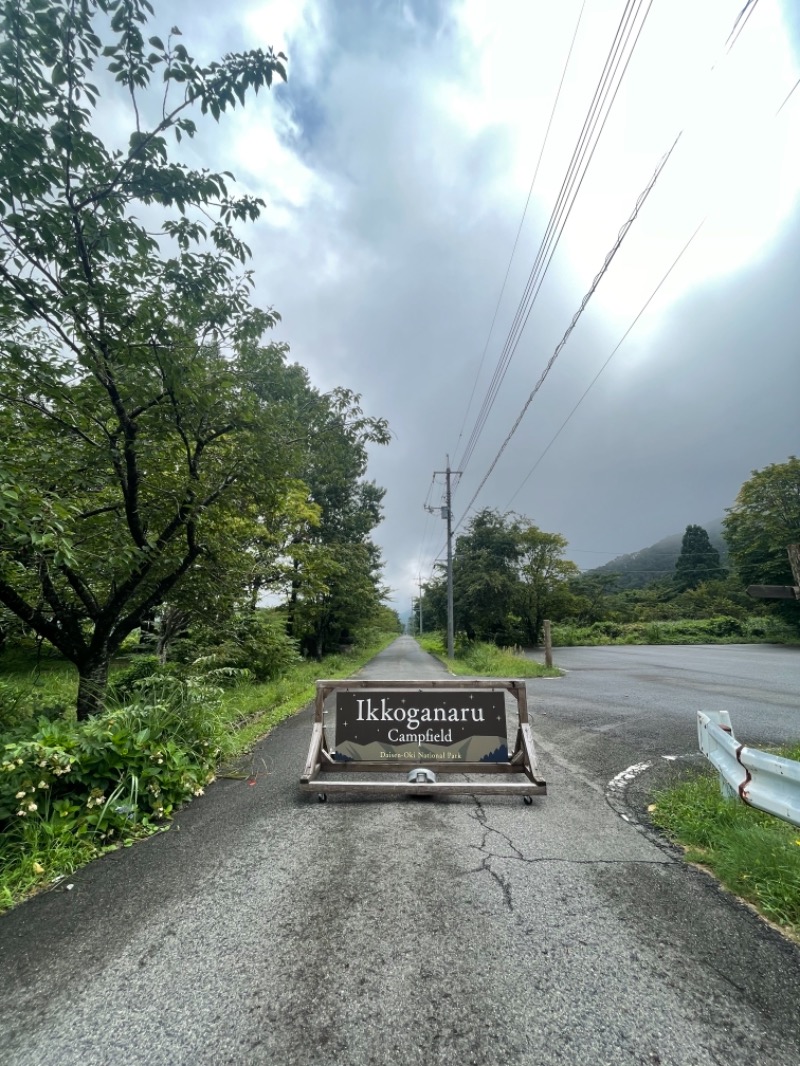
(451, 726)
(774, 592)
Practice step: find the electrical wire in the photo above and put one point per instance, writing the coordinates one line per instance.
(787, 98)
(741, 21)
(519, 228)
(559, 347)
(531, 293)
(739, 25)
(622, 340)
(605, 94)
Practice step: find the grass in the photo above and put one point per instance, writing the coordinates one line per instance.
(34, 683)
(485, 660)
(252, 710)
(37, 853)
(754, 855)
(721, 630)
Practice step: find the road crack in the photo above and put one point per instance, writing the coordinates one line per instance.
(513, 854)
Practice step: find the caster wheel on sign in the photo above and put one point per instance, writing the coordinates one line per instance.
(323, 797)
(527, 800)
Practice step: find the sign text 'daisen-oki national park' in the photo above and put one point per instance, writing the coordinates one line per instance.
(419, 725)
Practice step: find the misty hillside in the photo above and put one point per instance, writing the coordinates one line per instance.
(658, 561)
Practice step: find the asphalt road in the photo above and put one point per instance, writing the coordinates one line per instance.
(267, 928)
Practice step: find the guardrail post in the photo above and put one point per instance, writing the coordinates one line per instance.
(723, 720)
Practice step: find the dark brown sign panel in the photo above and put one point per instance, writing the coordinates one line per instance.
(773, 592)
(420, 726)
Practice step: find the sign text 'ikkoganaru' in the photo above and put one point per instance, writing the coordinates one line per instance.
(461, 726)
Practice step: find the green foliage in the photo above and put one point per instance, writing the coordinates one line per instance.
(477, 659)
(698, 560)
(656, 563)
(253, 641)
(508, 576)
(151, 447)
(763, 522)
(722, 629)
(485, 577)
(753, 854)
(35, 684)
(125, 682)
(127, 417)
(118, 776)
(135, 763)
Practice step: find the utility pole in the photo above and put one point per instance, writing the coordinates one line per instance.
(419, 582)
(447, 513)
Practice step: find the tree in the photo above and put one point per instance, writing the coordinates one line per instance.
(698, 560)
(544, 574)
(762, 523)
(335, 583)
(128, 417)
(485, 578)
(592, 597)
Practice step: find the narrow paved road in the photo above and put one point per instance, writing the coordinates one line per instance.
(267, 928)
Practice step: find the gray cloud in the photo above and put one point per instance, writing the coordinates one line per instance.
(384, 246)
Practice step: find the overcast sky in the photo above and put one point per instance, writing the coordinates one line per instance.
(396, 164)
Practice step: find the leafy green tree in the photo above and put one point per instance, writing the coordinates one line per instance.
(593, 598)
(544, 574)
(335, 583)
(698, 560)
(762, 523)
(128, 416)
(485, 579)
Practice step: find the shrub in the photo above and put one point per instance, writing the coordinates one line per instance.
(255, 641)
(124, 683)
(725, 626)
(131, 764)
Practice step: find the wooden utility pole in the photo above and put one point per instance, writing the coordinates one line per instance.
(449, 508)
(447, 512)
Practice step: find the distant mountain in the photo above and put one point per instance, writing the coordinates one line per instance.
(657, 562)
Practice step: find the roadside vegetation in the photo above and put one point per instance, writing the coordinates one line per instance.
(166, 470)
(509, 575)
(479, 659)
(720, 630)
(754, 855)
(71, 790)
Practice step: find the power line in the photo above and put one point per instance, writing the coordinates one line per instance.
(597, 279)
(597, 115)
(530, 294)
(622, 340)
(787, 97)
(521, 221)
(741, 21)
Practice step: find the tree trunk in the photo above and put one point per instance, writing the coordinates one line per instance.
(290, 614)
(92, 687)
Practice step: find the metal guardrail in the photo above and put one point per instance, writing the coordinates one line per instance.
(768, 782)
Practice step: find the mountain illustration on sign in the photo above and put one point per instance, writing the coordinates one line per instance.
(498, 755)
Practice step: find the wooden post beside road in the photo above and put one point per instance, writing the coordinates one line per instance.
(548, 643)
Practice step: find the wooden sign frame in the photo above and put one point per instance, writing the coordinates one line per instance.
(321, 765)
